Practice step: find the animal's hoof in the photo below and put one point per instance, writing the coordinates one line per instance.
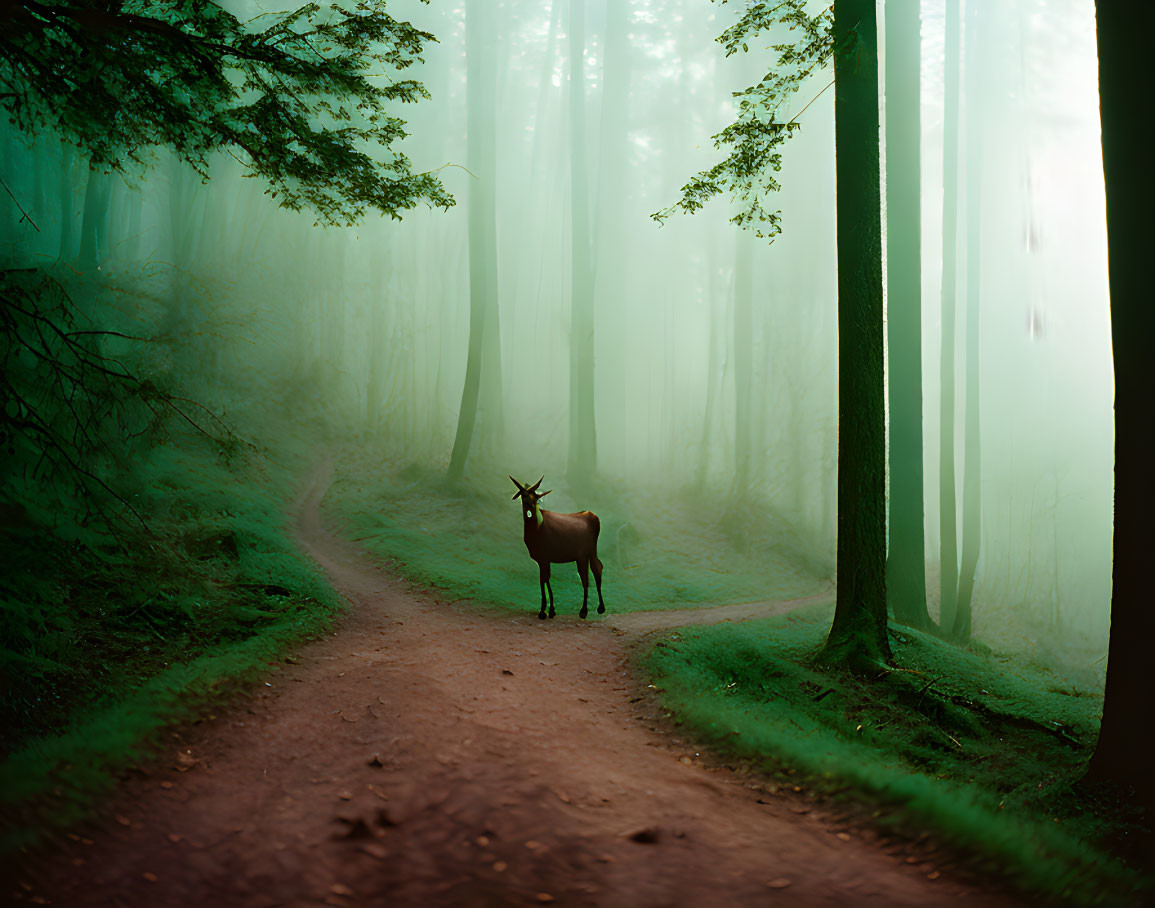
(553, 614)
(601, 609)
(583, 613)
(541, 615)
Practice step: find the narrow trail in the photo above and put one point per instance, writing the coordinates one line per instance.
(433, 754)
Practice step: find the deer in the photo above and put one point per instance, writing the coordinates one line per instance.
(554, 538)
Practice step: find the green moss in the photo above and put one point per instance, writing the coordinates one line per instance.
(977, 748)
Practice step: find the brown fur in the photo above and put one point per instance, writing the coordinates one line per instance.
(560, 539)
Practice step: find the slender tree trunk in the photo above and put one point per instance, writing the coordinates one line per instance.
(743, 359)
(1128, 135)
(582, 434)
(906, 558)
(972, 451)
(858, 635)
(948, 532)
(67, 202)
(94, 222)
(481, 88)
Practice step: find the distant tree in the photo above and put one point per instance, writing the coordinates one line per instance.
(948, 515)
(301, 100)
(1128, 129)
(972, 449)
(858, 635)
(906, 552)
(583, 446)
(483, 359)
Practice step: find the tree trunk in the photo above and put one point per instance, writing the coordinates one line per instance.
(906, 558)
(743, 360)
(582, 433)
(972, 452)
(948, 532)
(858, 635)
(94, 223)
(1128, 136)
(481, 89)
(67, 202)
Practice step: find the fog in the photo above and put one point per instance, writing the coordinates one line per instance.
(712, 352)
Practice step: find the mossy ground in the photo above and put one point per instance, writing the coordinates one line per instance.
(660, 551)
(980, 749)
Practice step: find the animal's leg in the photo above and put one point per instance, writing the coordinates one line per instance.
(549, 587)
(597, 566)
(583, 567)
(543, 579)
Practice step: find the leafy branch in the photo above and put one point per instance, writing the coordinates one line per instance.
(69, 409)
(755, 139)
(299, 101)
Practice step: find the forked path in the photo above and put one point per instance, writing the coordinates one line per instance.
(434, 754)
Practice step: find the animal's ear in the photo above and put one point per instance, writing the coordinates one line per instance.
(543, 494)
(516, 495)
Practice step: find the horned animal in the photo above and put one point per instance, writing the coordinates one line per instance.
(554, 538)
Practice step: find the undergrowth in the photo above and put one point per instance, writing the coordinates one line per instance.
(659, 551)
(147, 567)
(979, 749)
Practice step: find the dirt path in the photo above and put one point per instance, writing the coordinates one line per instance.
(433, 754)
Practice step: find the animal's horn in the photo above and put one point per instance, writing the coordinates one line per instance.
(533, 488)
(520, 487)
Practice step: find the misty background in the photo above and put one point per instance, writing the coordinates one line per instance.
(714, 352)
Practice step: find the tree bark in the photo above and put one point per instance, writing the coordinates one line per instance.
(906, 557)
(858, 636)
(1128, 136)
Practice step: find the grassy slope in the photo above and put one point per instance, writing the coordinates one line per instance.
(977, 749)
(467, 543)
(103, 647)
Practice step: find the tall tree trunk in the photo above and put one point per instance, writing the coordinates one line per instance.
(94, 222)
(67, 202)
(481, 90)
(906, 557)
(743, 360)
(858, 634)
(948, 532)
(582, 431)
(1128, 135)
(972, 452)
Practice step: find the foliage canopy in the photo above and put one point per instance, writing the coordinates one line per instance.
(301, 100)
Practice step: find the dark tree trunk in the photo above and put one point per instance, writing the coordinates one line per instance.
(858, 635)
(583, 451)
(906, 557)
(481, 91)
(1124, 31)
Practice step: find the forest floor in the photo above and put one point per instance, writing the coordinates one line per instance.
(428, 753)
